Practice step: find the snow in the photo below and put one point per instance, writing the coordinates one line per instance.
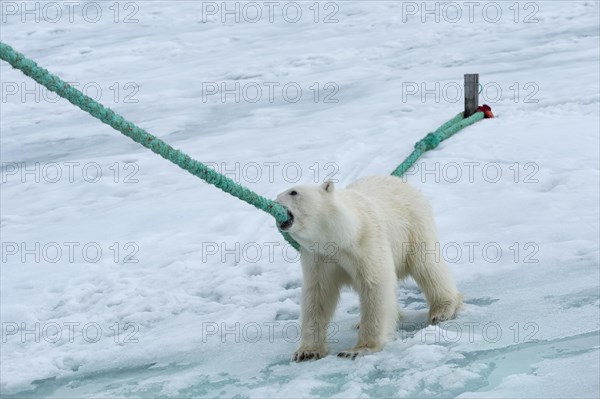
(197, 315)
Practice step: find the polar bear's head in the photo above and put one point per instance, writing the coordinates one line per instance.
(308, 207)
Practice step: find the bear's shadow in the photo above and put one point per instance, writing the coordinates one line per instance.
(412, 320)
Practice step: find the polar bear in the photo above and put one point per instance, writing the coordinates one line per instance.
(381, 230)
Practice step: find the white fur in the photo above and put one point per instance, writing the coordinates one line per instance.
(371, 234)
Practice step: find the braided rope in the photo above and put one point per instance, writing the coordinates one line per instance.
(137, 134)
(433, 139)
(184, 161)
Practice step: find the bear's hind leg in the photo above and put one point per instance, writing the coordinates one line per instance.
(431, 273)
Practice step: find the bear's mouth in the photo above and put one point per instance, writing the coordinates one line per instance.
(288, 223)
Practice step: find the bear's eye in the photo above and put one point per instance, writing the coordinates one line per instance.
(293, 192)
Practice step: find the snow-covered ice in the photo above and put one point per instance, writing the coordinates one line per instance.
(194, 293)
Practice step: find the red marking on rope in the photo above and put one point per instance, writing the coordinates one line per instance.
(487, 111)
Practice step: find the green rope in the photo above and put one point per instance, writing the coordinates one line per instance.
(139, 135)
(179, 158)
(433, 139)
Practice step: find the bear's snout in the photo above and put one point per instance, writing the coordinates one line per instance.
(288, 223)
(284, 226)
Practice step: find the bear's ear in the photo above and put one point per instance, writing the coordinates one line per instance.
(328, 186)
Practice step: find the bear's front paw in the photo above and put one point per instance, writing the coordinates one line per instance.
(356, 352)
(443, 312)
(304, 354)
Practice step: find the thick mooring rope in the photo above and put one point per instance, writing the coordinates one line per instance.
(184, 161)
(433, 139)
